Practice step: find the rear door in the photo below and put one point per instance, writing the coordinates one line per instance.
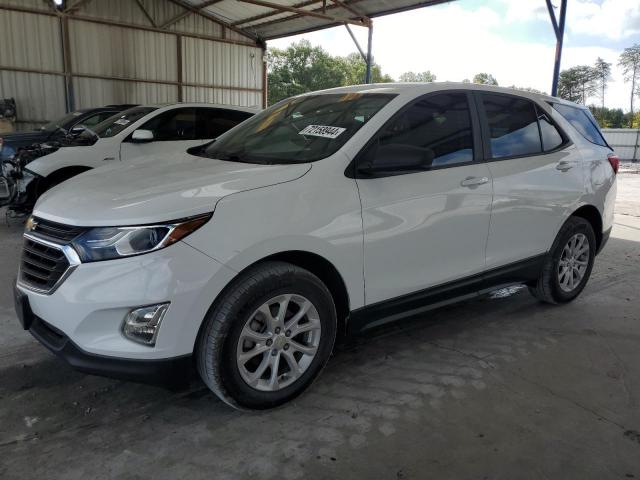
(537, 177)
(426, 198)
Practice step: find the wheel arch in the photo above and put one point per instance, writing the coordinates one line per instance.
(325, 271)
(316, 264)
(592, 215)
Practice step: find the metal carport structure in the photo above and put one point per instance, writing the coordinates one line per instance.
(71, 54)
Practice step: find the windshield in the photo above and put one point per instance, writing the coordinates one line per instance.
(118, 122)
(298, 130)
(62, 122)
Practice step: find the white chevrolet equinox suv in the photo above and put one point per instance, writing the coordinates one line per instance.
(328, 213)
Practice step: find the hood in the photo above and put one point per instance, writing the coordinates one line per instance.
(155, 189)
(73, 156)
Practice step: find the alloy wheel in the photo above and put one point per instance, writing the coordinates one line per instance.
(278, 342)
(573, 263)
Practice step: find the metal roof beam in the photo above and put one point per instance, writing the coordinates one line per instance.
(271, 14)
(213, 18)
(349, 8)
(186, 13)
(308, 13)
(146, 13)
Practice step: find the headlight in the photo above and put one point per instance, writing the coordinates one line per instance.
(106, 243)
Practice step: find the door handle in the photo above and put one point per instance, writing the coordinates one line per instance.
(108, 159)
(474, 181)
(564, 166)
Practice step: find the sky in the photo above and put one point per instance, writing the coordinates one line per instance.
(511, 39)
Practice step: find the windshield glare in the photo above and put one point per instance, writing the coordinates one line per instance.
(298, 130)
(118, 122)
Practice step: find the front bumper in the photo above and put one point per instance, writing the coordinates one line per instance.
(82, 320)
(171, 372)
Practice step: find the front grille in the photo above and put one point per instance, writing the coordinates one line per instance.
(42, 266)
(55, 231)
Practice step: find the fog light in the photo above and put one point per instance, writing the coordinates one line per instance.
(142, 324)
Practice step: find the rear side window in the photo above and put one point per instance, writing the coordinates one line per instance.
(433, 132)
(513, 126)
(583, 121)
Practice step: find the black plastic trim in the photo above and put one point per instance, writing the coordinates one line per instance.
(406, 305)
(170, 372)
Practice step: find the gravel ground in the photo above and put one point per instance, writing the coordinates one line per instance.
(496, 388)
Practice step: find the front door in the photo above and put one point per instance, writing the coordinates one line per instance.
(426, 198)
(173, 130)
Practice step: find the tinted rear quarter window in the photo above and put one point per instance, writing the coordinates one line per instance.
(513, 126)
(582, 120)
(551, 138)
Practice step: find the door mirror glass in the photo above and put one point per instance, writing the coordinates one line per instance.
(142, 136)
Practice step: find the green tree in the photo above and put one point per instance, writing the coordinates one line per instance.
(418, 77)
(586, 77)
(602, 71)
(610, 117)
(569, 85)
(301, 68)
(629, 61)
(354, 70)
(485, 79)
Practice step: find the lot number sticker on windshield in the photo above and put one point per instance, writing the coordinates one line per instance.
(322, 131)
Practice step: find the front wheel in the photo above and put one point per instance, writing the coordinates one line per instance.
(568, 266)
(267, 337)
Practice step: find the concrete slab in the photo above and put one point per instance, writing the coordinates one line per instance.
(497, 388)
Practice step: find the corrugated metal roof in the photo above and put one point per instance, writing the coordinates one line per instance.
(263, 18)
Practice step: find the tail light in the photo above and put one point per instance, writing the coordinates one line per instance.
(614, 160)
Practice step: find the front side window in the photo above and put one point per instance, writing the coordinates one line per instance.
(118, 122)
(213, 122)
(174, 125)
(433, 132)
(513, 126)
(582, 120)
(298, 130)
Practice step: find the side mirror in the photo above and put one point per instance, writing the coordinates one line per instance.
(395, 158)
(142, 136)
(77, 130)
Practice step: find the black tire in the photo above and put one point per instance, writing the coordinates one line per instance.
(547, 289)
(217, 344)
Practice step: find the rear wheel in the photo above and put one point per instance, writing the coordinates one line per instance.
(267, 337)
(567, 269)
